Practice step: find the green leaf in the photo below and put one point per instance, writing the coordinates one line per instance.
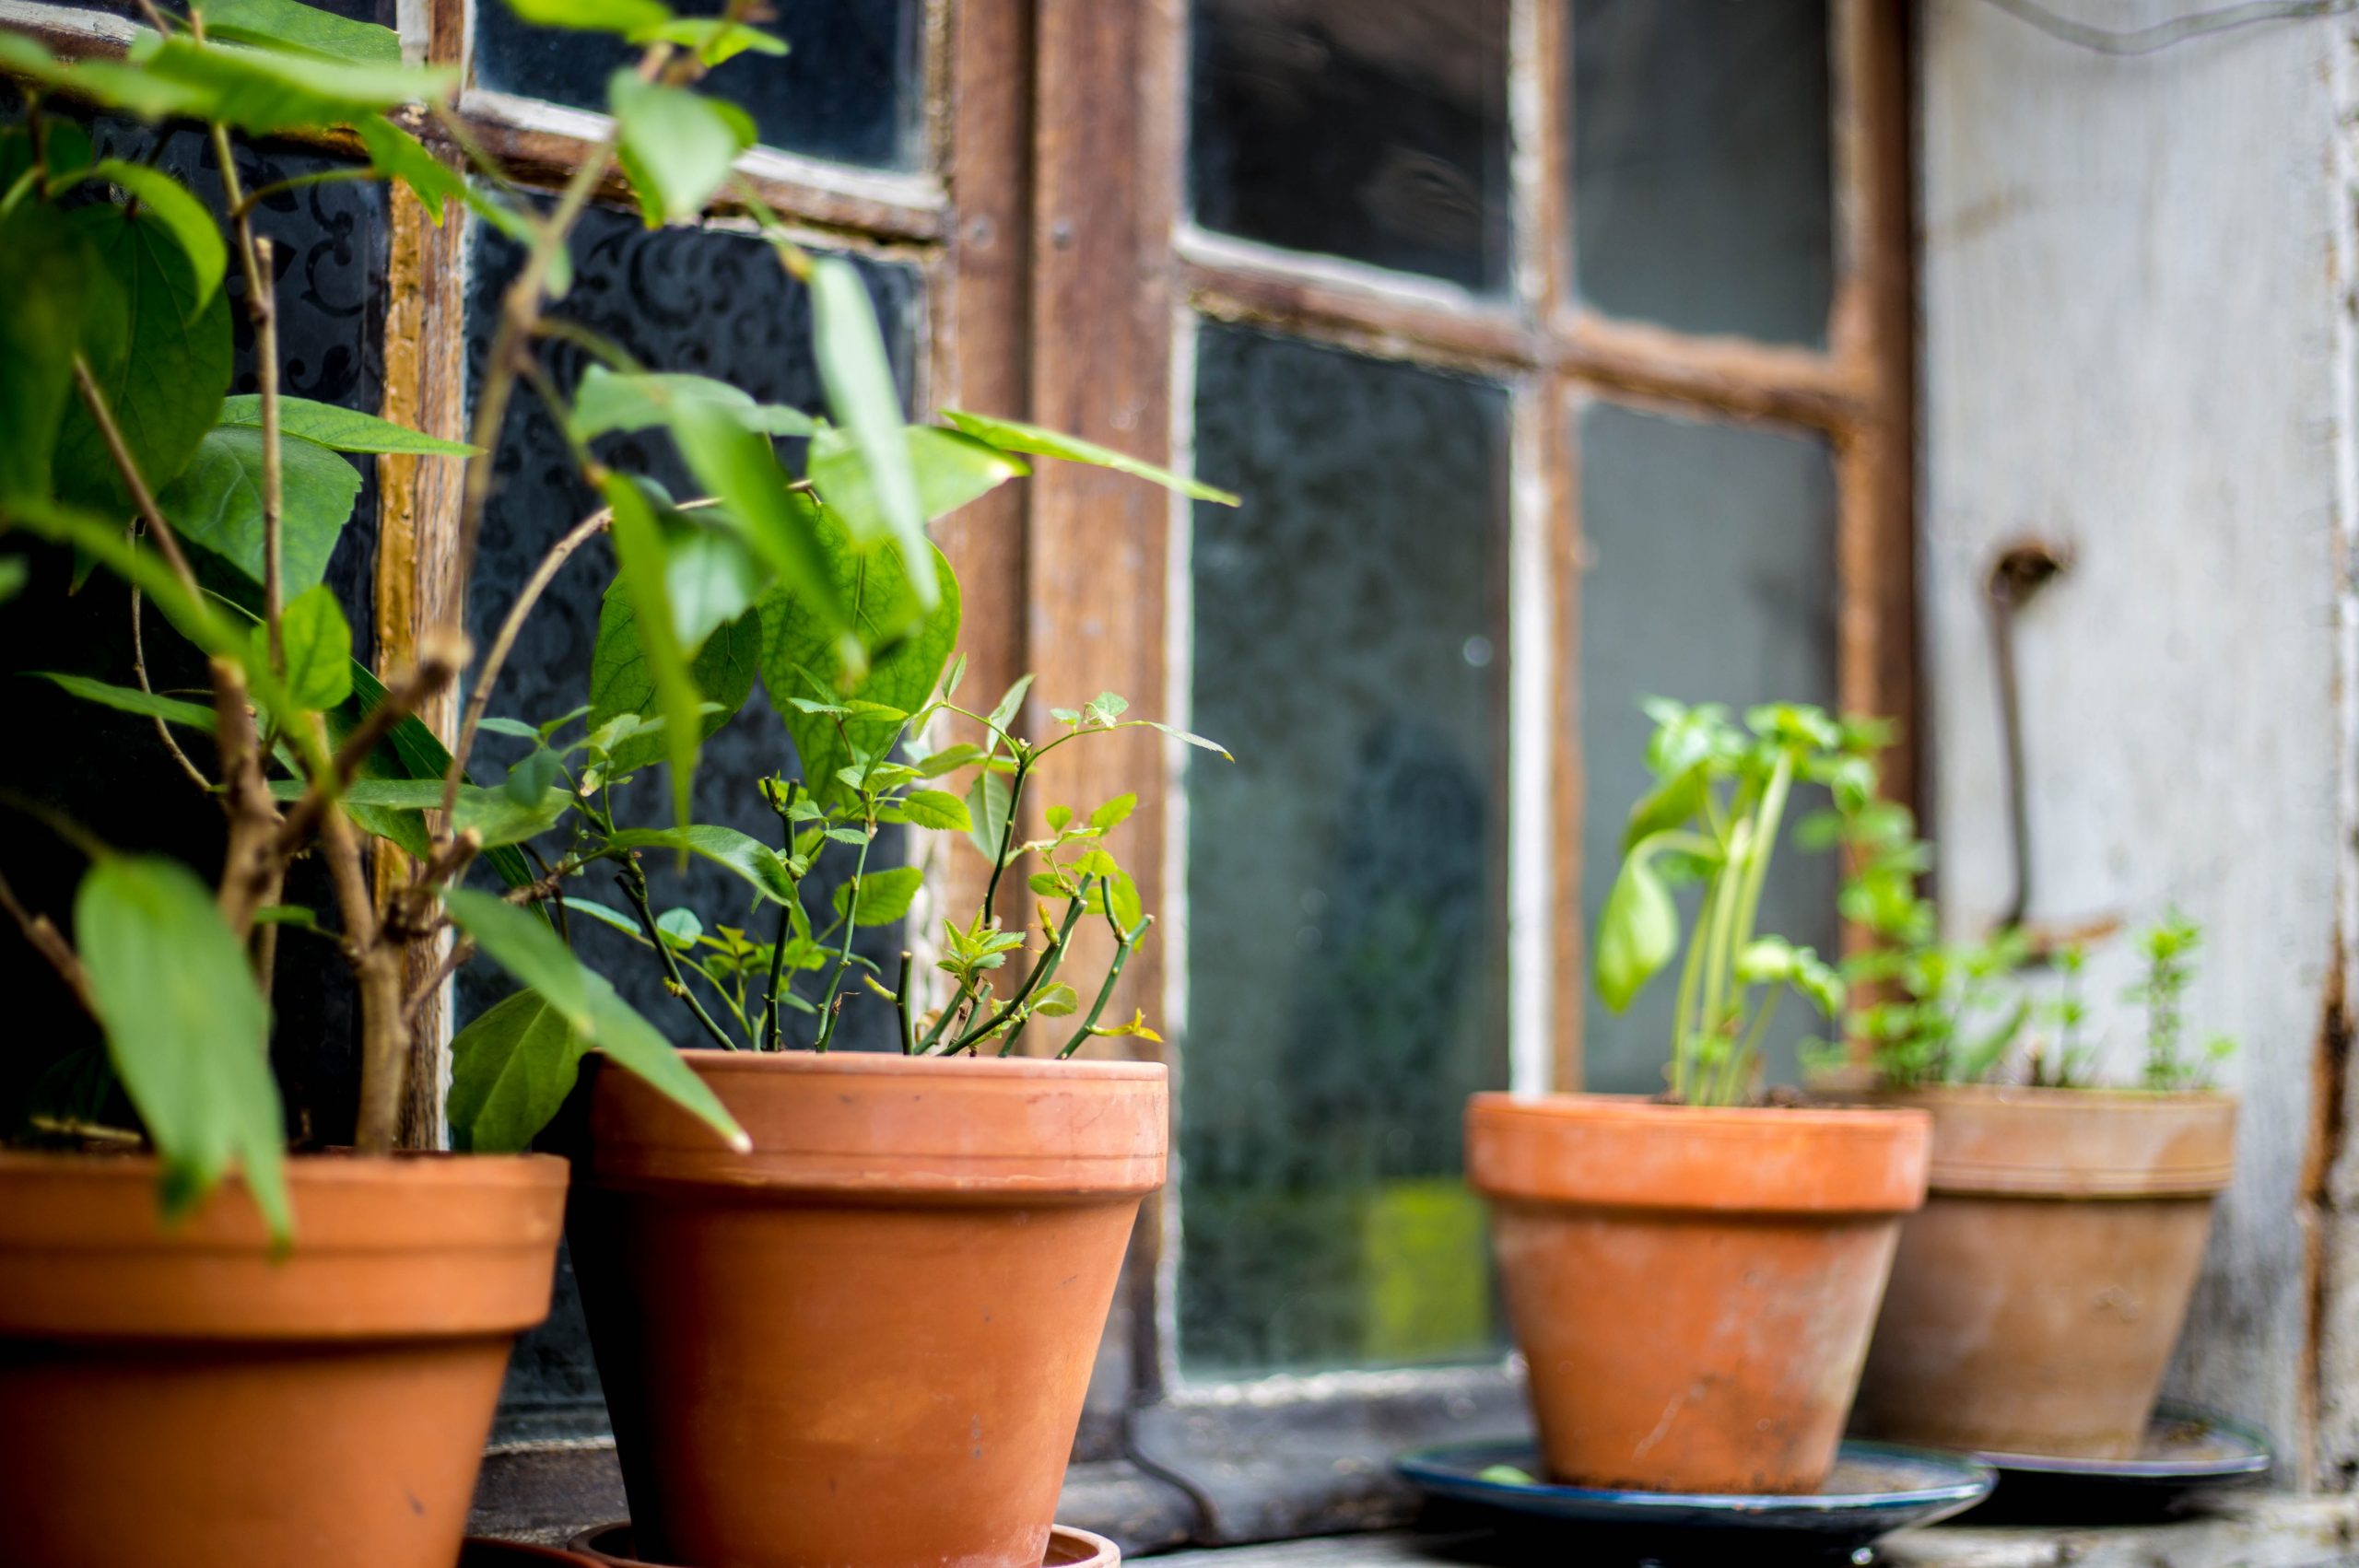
(537, 958)
(216, 503)
(800, 644)
(50, 277)
(749, 858)
(159, 352)
(1010, 435)
(607, 915)
(859, 378)
(613, 399)
(714, 39)
(676, 145)
(1113, 813)
(192, 227)
(621, 683)
(529, 782)
(14, 574)
(394, 154)
(1638, 931)
(523, 232)
(409, 750)
(318, 644)
(187, 1031)
(1057, 1001)
(680, 928)
(1123, 896)
(495, 814)
(737, 463)
(624, 17)
(509, 1072)
(261, 92)
(1010, 702)
(641, 567)
(936, 809)
(106, 83)
(1672, 803)
(338, 429)
(884, 895)
(285, 23)
(951, 469)
(130, 699)
(987, 808)
(1192, 739)
(712, 579)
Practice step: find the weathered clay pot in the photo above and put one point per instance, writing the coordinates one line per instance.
(864, 1344)
(612, 1546)
(1692, 1288)
(179, 1395)
(2036, 1300)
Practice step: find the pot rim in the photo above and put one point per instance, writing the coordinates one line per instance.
(1085, 1549)
(712, 1059)
(343, 1168)
(2110, 1097)
(1709, 1120)
(2004, 1140)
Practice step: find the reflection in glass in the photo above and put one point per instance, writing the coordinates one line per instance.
(1701, 164)
(1711, 580)
(850, 89)
(1375, 129)
(1346, 970)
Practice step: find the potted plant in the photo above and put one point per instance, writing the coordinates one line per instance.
(868, 1341)
(212, 1350)
(2035, 1299)
(1692, 1277)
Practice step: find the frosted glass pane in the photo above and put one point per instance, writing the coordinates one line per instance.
(1711, 580)
(1701, 159)
(1346, 970)
(1375, 129)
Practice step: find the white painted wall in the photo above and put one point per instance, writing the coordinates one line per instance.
(2136, 343)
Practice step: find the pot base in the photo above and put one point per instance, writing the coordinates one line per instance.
(611, 1544)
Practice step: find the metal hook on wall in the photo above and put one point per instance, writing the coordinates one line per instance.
(2019, 572)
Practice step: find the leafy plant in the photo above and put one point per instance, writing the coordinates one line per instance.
(1714, 817)
(119, 440)
(2168, 948)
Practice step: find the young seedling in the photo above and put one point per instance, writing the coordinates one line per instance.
(2168, 950)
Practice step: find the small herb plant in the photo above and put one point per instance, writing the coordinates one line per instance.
(1720, 798)
(2167, 949)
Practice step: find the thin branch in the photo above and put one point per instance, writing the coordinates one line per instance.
(634, 885)
(439, 660)
(1042, 969)
(253, 865)
(46, 941)
(94, 398)
(262, 305)
(139, 669)
(1122, 950)
(829, 1008)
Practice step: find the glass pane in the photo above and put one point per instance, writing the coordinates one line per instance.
(676, 299)
(1701, 164)
(1375, 129)
(331, 241)
(850, 86)
(1711, 579)
(1346, 970)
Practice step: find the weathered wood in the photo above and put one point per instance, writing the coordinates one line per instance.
(2134, 349)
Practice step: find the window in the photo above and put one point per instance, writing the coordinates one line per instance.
(1562, 351)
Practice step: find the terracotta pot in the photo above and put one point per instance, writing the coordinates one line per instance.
(2036, 1300)
(180, 1395)
(613, 1545)
(480, 1552)
(1692, 1288)
(864, 1344)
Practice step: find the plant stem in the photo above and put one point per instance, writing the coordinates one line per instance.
(1717, 965)
(143, 500)
(901, 1005)
(633, 883)
(1683, 1028)
(1129, 939)
(783, 804)
(941, 1020)
(1007, 829)
(1050, 956)
(829, 1009)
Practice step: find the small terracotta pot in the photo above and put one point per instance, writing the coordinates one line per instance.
(864, 1344)
(1692, 1287)
(179, 1395)
(612, 1546)
(2036, 1300)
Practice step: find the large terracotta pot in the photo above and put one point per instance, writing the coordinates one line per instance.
(2036, 1300)
(864, 1344)
(180, 1396)
(1692, 1288)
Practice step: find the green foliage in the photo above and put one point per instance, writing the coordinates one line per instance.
(216, 504)
(338, 429)
(2167, 950)
(318, 646)
(187, 1031)
(621, 684)
(1009, 435)
(45, 261)
(675, 146)
(1714, 816)
(852, 366)
(304, 29)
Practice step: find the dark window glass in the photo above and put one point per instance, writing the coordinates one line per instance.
(1375, 129)
(717, 304)
(115, 776)
(1346, 976)
(1711, 580)
(1701, 164)
(850, 86)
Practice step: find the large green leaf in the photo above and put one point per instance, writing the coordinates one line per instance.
(625, 16)
(318, 645)
(216, 503)
(859, 378)
(409, 750)
(715, 40)
(509, 1072)
(781, 527)
(193, 228)
(48, 277)
(498, 816)
(762, 867)
(131, 699)
(187, 1030)
(952, 470)
(620, 682)
(641, 572)
(396, 155)
(106, 83)
(338, 429)
(1638, 931)
(617, 400)
(1009, 435)
(800, 646)
(163, 363)
(884, 895)
(262, 92)
(536, 957)
(287, 24)
(675, 146)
